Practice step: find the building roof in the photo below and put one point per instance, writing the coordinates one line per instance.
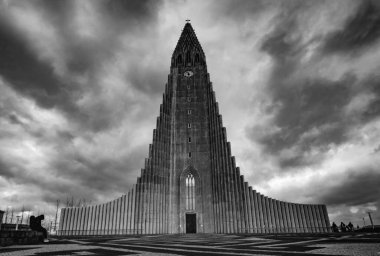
(188, 41)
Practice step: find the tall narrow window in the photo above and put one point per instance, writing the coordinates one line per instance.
(189, 139)
(189, 154)
(190, 192)
(189, 111)
(179, 60)
(188, 58)
(189, 125)
(188, 99)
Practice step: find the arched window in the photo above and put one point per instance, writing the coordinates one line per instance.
(179, 59)
(188, 58)
(190, 192)
(196, 58)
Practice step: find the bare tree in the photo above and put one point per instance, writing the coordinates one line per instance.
(6, 215)
(22, 213)
(12, 215)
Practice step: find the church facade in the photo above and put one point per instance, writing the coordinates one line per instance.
(190, 182)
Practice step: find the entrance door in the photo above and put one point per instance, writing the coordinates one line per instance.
(191, 223)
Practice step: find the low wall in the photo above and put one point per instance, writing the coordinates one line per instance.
(20, 237)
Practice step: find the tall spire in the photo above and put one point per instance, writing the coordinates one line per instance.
(188, 51)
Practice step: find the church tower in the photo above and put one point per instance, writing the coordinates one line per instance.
(190, 182)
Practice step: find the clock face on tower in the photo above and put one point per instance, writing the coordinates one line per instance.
(188, 73)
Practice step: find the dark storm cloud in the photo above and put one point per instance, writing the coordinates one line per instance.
(27, 74)
(351, 192)
(36, 78)
(360, 30)
(308, 112)
(5, 170)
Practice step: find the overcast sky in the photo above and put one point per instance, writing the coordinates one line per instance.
(297, 83)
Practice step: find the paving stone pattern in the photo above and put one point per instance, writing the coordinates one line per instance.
(367, 244)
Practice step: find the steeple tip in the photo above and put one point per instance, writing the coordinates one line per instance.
(188, 50)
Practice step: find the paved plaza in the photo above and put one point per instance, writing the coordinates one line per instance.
(204, 244)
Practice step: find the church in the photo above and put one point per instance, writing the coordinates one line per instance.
(190, 182)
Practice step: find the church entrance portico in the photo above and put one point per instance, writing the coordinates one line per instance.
(191, 223)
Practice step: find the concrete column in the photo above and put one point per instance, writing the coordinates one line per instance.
(90, 216)
(313, 218)
(291, 216)
(126, 215)
(148, 220)
(61, 221)
(273, 215)
(231, 183)
(81, 221)
(224, 208)
(72, 221)
(280, 217)
(236, 179)
(305, 224)
(143, 203)
(243, 218)
(93, 223)
(96, 220)
(321, 223)
(300, 219)
(100, 219)
(111, 216)
(85, 220)
(284, 216)
(68, 224)
(137, 222)
(308, 218)
(276, 216)
(326, 217)
(132, 220)
(107, 218)
(117, 215)
(269, 214)
(244, 204)
(265, 214)
(281, 224)
(296, 219)
(261, 212)
(217, 192)
(226, 181)
(140, 207)
(257, 211)
(248, 208)
(77, 218)
(67, 221)
(317, 219)
(121, 215)
(288, 218)
(252, 211)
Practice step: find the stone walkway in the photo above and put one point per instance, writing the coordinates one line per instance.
(205, 244)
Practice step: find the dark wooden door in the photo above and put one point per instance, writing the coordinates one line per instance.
(191, 223)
